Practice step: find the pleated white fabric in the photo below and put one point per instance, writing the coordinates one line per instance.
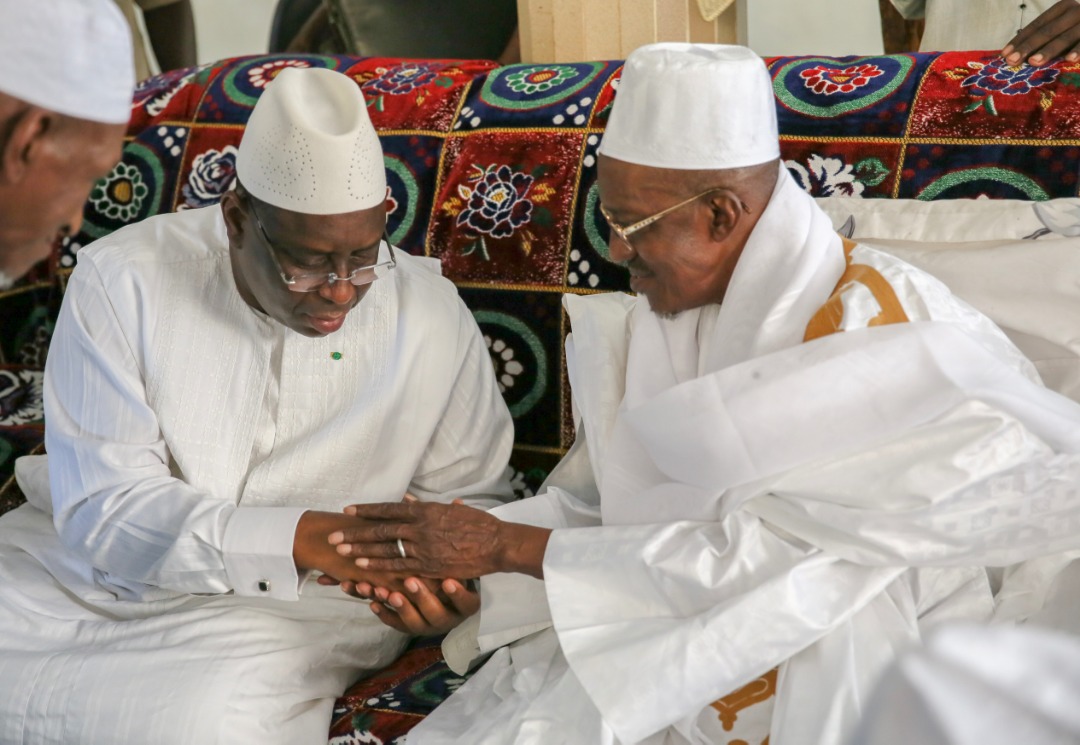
(186, 433)
(758, 501)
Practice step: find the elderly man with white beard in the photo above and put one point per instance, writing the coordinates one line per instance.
(794, 455)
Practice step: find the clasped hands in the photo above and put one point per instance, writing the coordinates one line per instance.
(410, 604)
(414, 599)
(425, 591)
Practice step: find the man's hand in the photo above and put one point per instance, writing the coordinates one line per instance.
(421, 611)
(312, 550)
(439, 540)
(425, 608)
(1053, 34)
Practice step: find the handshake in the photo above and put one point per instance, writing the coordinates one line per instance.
(414, 560)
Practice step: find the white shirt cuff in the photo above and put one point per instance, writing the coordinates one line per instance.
(258, 552)
(512, 606)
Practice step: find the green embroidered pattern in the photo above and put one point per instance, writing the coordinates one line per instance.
(120, 194)
(518, 328)
(592, 228)
(563, 80)
(412, 196)
(1014, 179)
(124, 196)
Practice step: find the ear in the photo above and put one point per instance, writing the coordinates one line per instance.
(233, 213)
(26, 142)
(727, 211)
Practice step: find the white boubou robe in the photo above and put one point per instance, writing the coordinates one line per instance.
(186, 434)
(738, 499)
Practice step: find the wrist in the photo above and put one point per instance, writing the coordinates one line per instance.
(311, 531)
(523, 549)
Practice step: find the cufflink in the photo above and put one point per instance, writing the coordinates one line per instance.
(264, 585)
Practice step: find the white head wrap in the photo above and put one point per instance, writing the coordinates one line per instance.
(693, 106)
(69, 56)
(309, 146)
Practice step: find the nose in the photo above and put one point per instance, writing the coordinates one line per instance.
(619, 251)
(340, 292)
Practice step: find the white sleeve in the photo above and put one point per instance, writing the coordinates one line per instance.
(515, 605)
(467, 455)
(258, 552)
(115, 500)
(973, 488)
(704, 607)
(512, 606)
(709, 606)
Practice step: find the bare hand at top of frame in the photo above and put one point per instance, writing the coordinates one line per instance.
(1053, 34)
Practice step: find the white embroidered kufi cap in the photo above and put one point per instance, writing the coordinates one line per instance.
(693, 106)
(69, 56)
(310, 147)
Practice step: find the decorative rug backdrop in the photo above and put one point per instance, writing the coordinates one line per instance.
(493, 170)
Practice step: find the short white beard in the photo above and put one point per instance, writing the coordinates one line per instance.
(6, 281)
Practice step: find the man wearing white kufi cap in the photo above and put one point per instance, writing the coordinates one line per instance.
(221, 383)
(66, 78)
(793, 455)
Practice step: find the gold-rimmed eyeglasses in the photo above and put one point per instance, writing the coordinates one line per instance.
(310, 282)
(624, 232)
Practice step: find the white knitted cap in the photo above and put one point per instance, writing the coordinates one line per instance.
(693, 106)
(309, 146)
(69, 56)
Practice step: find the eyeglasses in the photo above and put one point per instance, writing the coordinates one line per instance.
(301, 282)
(624, 233)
